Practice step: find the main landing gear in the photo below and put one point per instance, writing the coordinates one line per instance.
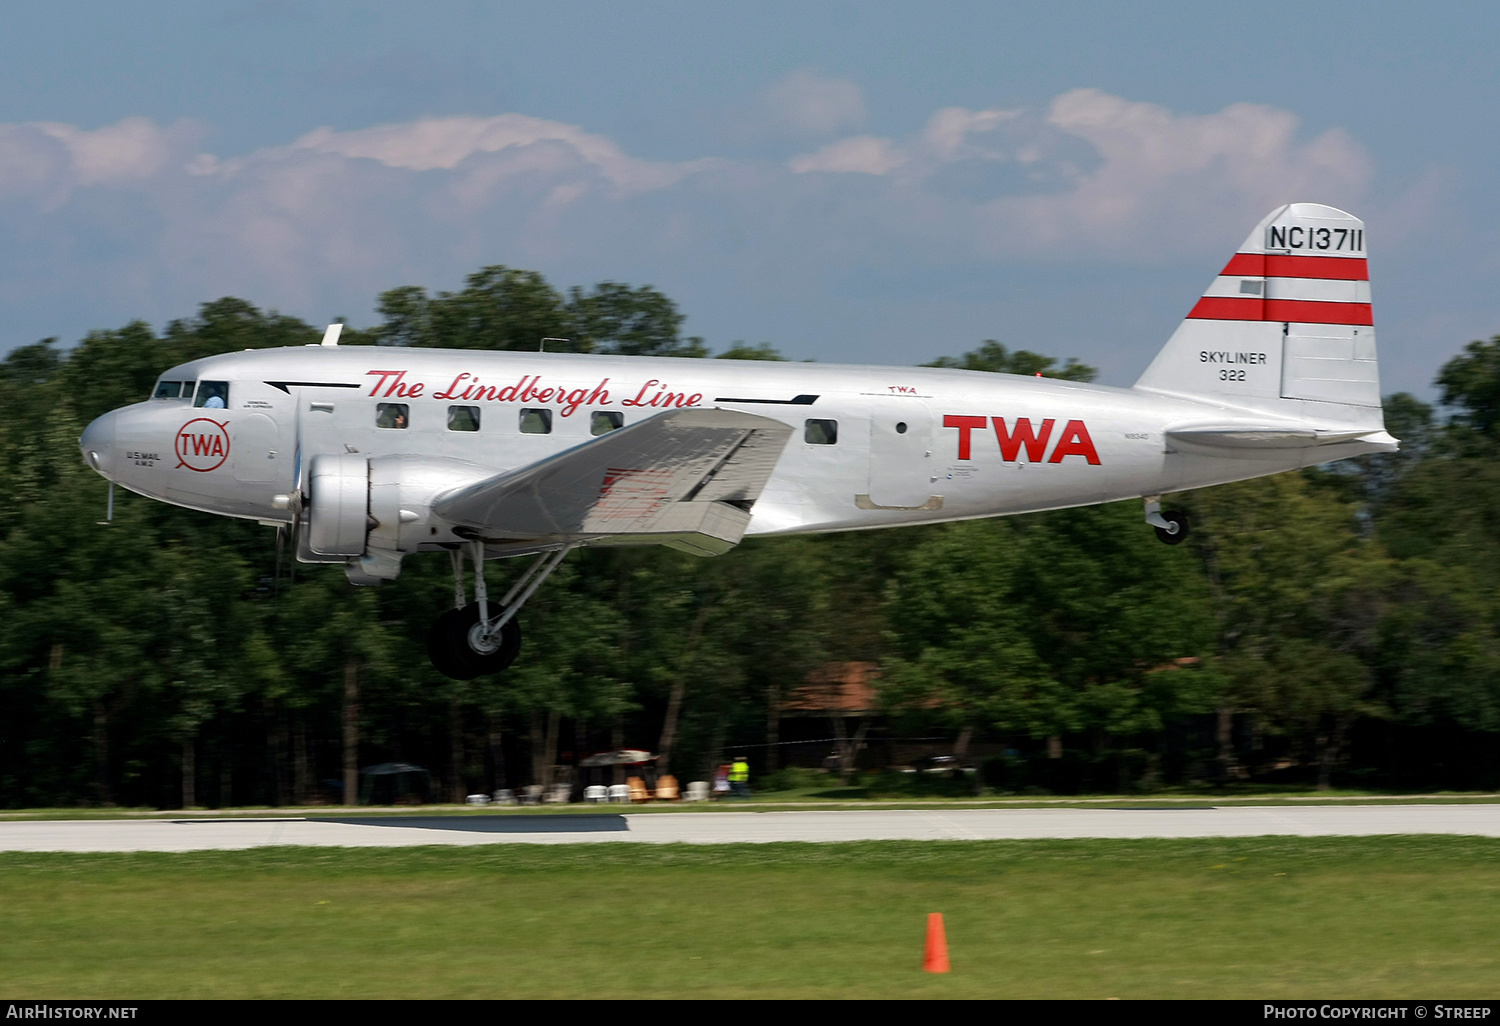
(481, 637)
(1171, 526)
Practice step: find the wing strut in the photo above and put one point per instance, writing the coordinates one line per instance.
(526, 586)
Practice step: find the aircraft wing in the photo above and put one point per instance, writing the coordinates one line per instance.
(684, 478)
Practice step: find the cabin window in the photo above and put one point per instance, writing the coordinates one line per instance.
(187, 389)
(602, 422)
(392, 415)
(536, 422)
(212, 395)
(167, 390)
(463, 418)
(821, 432)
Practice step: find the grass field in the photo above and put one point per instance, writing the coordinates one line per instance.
(1256, 918)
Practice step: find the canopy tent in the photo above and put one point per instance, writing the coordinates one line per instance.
(635, 761)
(394, 782)
(623, 757)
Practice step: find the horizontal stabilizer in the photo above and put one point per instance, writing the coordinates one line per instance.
(685, 478)
(1248, 441)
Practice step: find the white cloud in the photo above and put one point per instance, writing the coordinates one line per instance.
(32, 162)
(947, 133)
(951, 134)
(444, 143)
(1098, 174)
(132, 150)
(813, 105)
(48, 160)
(864, 154)
(1182, 178)
(803, 106)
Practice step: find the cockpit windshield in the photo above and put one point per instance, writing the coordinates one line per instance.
(213, 395)
(173, 390)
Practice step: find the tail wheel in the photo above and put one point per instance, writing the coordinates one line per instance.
(458, 649)
(1177, 532)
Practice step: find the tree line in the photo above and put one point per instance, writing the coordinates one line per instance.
(1334, 626)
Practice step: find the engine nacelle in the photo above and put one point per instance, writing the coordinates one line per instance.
(338, 505)
(369, 513)
(402, 489)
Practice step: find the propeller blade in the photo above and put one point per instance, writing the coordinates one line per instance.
(291, 576)
(298, 500)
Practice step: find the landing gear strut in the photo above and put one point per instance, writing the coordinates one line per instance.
(481, 637)
(1171, 526)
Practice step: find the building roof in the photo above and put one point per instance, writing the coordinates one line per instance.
(846, 688)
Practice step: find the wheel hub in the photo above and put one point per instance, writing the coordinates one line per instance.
(484, 642)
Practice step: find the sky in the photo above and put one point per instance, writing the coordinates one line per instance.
(870, 182)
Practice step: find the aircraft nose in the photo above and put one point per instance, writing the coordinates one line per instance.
(98, 442)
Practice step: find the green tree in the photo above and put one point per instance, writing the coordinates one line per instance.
(960, 651)
(745, 351)
(992, 356)
(1048, 625)
(338, 649)
(569, 668)
(1471, 383)
(1438, 664)
(498, 308)
(1298, 601)
(615, 318)
(1108, 607)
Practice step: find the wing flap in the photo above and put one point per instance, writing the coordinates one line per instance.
(684, 477)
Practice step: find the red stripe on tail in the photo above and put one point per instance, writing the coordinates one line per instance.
(1275, 265)
(1302, 311)
(1309, 312)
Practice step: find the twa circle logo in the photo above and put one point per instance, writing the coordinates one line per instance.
(202, 445)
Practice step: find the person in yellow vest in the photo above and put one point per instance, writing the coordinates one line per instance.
(739, 777)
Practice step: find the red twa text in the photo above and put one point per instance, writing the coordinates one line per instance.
(1073, 440)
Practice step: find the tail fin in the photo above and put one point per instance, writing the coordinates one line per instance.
(1285, 327)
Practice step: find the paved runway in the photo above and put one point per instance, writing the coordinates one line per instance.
(724, 827)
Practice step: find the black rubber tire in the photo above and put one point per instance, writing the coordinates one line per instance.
(451, 654)
(442, 650)
(1173, 537)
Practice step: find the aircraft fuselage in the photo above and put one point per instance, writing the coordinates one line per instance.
(871, 446)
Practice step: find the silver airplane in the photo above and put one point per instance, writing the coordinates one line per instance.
(367, 455)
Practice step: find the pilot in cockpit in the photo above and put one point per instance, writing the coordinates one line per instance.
(213, 395)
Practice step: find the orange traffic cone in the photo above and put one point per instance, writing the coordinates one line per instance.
(935, 958)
